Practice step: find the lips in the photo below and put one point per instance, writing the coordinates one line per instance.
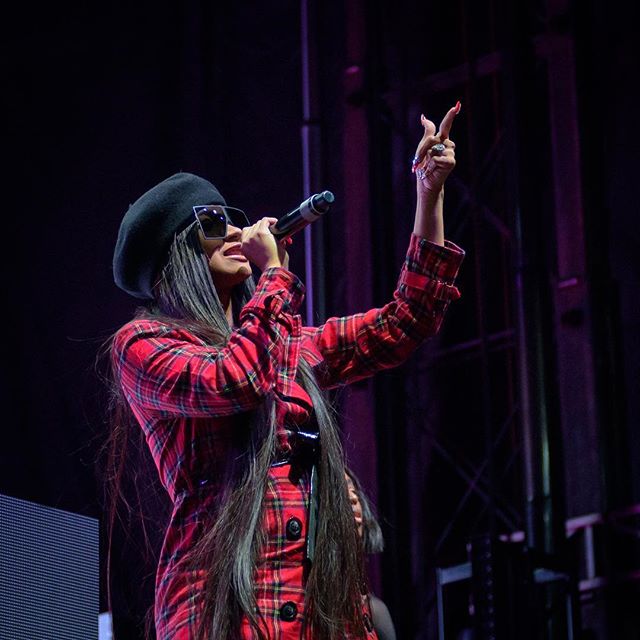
(234, 252)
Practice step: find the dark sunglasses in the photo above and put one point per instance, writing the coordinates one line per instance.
(214, 218)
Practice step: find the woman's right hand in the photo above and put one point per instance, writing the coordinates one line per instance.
(260, 246)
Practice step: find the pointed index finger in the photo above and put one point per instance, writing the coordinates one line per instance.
(447, 122)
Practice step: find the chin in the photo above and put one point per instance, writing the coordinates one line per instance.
(234, 278)
(245, 272)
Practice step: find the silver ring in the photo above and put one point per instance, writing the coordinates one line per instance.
(438, 149)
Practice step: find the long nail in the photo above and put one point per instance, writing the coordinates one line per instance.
(458, 107)
(422, 118)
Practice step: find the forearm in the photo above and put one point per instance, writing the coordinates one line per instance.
(357, 346)
(429, 220)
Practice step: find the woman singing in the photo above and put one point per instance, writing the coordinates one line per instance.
(227, 386)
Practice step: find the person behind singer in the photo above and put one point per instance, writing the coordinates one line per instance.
(372, 541)
(227, 386)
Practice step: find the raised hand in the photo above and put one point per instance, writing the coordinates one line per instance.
(435, 156)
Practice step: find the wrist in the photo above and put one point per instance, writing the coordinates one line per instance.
(429, 221)
(429, 197)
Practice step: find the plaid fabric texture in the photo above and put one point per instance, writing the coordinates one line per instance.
(189, 399)
(279, 578)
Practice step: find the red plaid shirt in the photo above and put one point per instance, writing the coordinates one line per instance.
(188, 398)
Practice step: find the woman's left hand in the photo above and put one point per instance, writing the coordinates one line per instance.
(435, 156)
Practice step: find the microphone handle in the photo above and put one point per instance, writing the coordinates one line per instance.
(309, 211)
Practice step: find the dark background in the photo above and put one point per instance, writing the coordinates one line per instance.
(102, 101)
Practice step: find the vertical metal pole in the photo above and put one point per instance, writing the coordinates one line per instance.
(576, 367)
(311, 165)
(440, 601)
(534, 258)
(533, 239)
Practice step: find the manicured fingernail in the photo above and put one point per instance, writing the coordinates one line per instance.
(458, 107)
(422, 118)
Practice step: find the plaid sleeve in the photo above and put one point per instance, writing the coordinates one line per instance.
(169, 371)
(278, 292)
(357, 346)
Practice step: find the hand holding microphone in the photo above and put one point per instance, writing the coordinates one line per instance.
(265, 242)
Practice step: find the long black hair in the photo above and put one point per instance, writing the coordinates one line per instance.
(229, 548)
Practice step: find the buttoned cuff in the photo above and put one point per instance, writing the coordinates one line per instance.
(278, 292)
(432, 267)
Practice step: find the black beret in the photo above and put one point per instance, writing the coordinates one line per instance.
(149, 226)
